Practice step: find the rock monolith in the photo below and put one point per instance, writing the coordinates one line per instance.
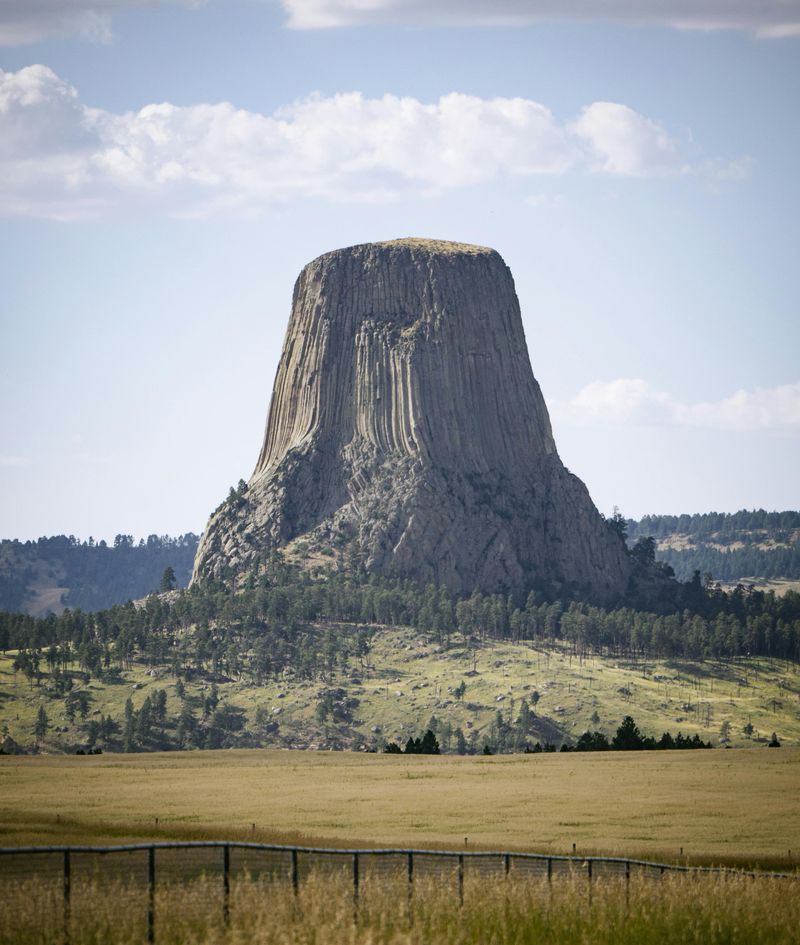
(407, 433)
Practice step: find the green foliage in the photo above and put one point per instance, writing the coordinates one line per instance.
(731, 547)
(629, 738)
(97, 575)
(290, 625)
(592, 741)
(168, 580)
(427, 745)
(618, 523)
(42, 724)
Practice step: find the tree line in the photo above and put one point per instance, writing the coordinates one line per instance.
(288, 620)
(726, 545)
(704, 525)
(96, 574)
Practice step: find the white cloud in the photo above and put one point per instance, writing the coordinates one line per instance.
(544, 201)
(624, 142)
(766, 18)
(30, 21)
(633, 402)
(14, 461)
(62, 159)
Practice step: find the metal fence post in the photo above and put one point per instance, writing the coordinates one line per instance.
(226, 884)
(507, 862)
(295, 873)
(627, 883)
(151, 894)
(589, 877)
(67, 894)
(461, 879)
(410, 874)
(356, 880)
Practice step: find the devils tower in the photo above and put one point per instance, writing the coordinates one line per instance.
(407, 432)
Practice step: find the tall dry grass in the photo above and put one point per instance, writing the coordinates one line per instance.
(673, 910)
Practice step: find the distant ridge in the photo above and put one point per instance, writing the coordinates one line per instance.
(50, 574)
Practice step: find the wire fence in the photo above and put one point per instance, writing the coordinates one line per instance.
(67, 877)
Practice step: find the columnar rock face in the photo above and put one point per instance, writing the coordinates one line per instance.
(407, 432)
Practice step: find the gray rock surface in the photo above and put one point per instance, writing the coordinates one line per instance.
(407, 432)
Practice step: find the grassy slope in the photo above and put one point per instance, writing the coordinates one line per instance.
(408, 680)
(739, 806)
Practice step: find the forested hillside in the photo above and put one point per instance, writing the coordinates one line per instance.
(343, 660)
(44, 576)
(731, 547)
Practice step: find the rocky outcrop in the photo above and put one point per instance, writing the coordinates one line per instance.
(407, 432)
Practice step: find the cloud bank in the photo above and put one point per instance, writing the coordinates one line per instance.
(30, 21)
(633, 402)
(765, 18)
(62, 159)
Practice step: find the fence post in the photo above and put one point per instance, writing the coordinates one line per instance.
(507, 862)
(589, 862)
(295, 873)
(461, 879)
(151, 894)
(410, 874)
(67, 894)
(627, 883)
(549, 870)
(226, 884)
(356, 880)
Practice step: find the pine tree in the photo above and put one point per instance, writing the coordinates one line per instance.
(168, 580)
(42, 724)
(428, 744)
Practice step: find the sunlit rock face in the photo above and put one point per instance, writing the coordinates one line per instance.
(407, 433)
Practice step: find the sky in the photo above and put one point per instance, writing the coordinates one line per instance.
(167, 168)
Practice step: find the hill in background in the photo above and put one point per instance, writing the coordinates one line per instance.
(51, 574)
(751, 547)
(48, 575)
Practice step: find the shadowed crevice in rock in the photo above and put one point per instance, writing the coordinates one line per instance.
(407, 426)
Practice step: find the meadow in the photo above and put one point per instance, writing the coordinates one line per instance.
(736, 807)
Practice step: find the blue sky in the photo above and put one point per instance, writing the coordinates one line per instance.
(167, 168)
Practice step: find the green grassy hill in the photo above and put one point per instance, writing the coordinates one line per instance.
(407, 682)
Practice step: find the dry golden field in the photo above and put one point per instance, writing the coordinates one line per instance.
(674, 910)
(737, 806)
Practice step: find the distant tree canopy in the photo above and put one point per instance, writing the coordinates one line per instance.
(728, 546)
(706, 524)
(427, 745)
(629, 738)
(95, 574)
(287, 619)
